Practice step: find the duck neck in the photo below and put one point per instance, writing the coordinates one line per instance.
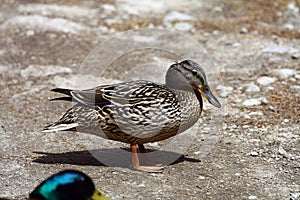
(191, 106)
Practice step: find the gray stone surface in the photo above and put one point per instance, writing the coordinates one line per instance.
(44, 43)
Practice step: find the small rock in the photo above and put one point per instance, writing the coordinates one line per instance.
(252, 102)
(109, 8)
(215, 32)
(295, 196)
(30, 33)
(286, 120)
(256, 113)
(283, 73)
(252, 87)
(252, 197)
(264, 100)
(224, 88)
(153, 144)
(150, 25)
(297, 76)
(296, 87)
(176, 16)
(272, 108)
(244, 30)
(283, 152)
(296, 56)
(253, 153)
(265, 80)
(183, 26)
(289, 26)
(236, 44)
(224, 94)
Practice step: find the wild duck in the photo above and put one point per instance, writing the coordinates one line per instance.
(67, 185)
(139, 112)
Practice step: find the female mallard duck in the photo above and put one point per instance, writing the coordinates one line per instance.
(67, 185)
(139, 112)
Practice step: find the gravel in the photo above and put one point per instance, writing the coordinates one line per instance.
(248, 149)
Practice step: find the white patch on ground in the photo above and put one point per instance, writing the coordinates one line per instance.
(252, 87)
(265, 80)
(140, 38)
(254, 102)
(80, 81)
(40, 70)
(283, 73)
(58, 10)
(40, 23)
(4, 68)
(176, 16)
(293, 17)
(154, 6)
(184, 26)
(136, 7)
(280, 49)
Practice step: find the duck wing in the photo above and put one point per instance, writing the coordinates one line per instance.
(122, 94)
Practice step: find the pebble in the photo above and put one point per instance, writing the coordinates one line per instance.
(252, 197)
(282, 152)
(289, 26)
(296, 56)
(216, 32)
(176, 16)
(224, 94)
(183, 26)
(265, 80)
(30, 33)
(244, 30)
(283, 73)
(252, 102)
(109, 8)
(224, 88)
(252, 87)
(153, 144)
(295, 196)
(253, 153)
(297, 76)
(256, 113)
(236, 44)
(286, 120)
(217, 9)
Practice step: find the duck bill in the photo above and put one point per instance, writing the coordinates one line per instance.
(98, 196)
(209, 96)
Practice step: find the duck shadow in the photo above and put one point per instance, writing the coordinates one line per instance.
(112, 157)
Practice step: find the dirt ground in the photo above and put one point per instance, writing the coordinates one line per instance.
(249, 149)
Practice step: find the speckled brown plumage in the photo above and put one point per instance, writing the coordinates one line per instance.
(139, 112)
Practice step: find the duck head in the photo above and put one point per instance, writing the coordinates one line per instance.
(67, 185)
(189, 75)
